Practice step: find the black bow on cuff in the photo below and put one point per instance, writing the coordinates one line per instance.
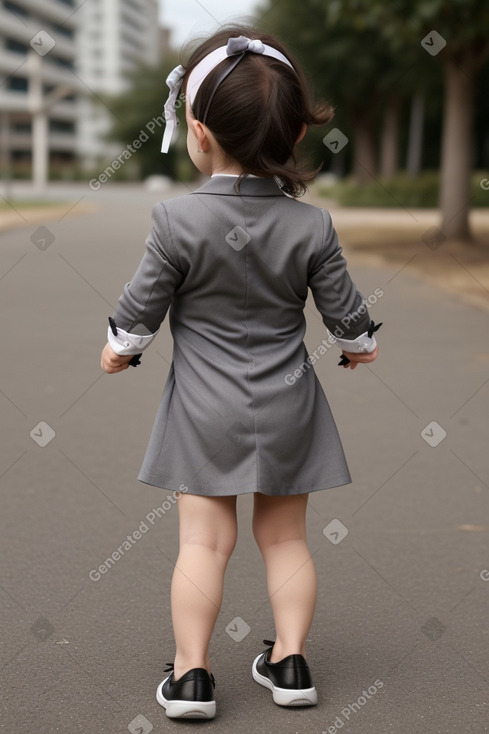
(371, 329)
(135, 359)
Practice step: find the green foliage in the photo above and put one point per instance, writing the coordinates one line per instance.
(347, 52)
(134, 109)
(421, 192)
(352, 64)
(404, 22)
(9, 205)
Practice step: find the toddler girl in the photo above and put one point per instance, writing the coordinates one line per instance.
(242, 409)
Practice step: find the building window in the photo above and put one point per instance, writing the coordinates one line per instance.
(62, 62)
(21, 127)
(58, 126)
(16, 46)
(62, 31)
(14, 8)
(18, 84)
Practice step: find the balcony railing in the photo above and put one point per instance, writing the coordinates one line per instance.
(56, 11)
(11, 28)
(14, 64)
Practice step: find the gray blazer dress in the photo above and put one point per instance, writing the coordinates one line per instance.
(242, 409)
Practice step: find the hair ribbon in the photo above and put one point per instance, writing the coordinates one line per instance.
(237, 46)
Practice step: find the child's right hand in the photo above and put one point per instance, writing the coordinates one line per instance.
(112, 362)
(359, 358)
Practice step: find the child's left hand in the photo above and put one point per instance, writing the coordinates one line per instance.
(359, 358)
(112, 362)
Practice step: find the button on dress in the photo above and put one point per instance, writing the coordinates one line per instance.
(242, 409)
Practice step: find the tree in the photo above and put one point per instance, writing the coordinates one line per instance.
(353, 67)
(415, 136)
(457, 33)
(460, 74)
(389, 150)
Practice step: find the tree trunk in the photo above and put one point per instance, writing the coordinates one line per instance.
(338, 165)
(456, 163)
(365, 154)
(389, 151)
(5, 162)
(415, 137)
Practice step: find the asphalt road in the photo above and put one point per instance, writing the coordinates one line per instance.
(400, 641)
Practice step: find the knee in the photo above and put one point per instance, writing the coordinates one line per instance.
(267, 537)
(222, 544)
(209, 522)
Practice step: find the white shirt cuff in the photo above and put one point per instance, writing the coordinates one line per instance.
(363, 343)
(126, 344)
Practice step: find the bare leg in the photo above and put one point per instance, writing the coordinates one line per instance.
(279, 527)
(208, 532)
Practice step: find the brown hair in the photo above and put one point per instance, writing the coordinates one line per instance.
(257, 112)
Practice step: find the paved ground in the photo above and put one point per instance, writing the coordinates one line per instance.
(403, 597)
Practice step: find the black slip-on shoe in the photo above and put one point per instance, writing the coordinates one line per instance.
(189, 697)
(288, 679)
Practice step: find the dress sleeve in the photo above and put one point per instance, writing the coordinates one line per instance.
(146, 298)
(341, 305)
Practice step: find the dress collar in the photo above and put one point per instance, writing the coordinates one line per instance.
(224, 185)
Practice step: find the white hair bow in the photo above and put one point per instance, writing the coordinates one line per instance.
(241, 44)
(174, 82)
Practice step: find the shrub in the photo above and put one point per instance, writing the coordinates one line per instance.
(401, 191)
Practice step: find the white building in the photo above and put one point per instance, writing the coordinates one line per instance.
(114, 37)
(79, 50)
(42, 29)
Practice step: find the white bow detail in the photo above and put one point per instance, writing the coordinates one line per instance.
(174, 82)
(242, 43)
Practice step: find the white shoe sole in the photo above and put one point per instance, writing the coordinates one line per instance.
(286, 696)
(185, 709)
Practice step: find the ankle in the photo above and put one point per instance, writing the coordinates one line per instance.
(279, 652)
(182, 665)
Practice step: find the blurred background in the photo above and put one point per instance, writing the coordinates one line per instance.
(80, 80)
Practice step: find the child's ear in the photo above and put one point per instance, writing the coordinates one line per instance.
(200, 134)
(302, 133)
